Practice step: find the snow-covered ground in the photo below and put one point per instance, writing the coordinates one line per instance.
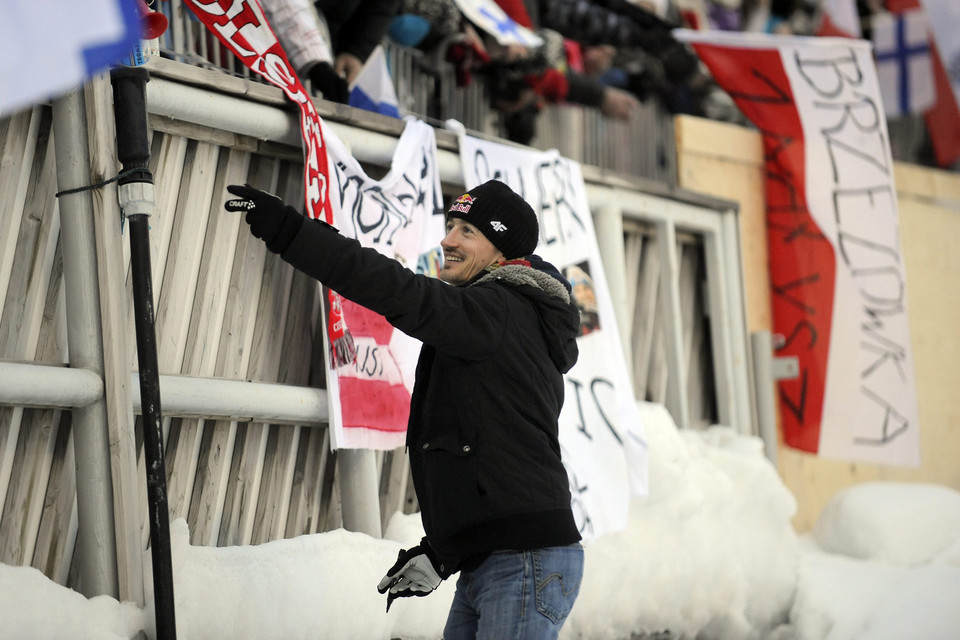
(710, 554)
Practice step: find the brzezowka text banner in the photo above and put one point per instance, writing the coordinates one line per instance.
(836, 272)
(603, 441)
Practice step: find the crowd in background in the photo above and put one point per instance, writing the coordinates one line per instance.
(609, 55)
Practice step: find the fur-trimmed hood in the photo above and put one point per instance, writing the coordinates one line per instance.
(550, 291)
(527, 274)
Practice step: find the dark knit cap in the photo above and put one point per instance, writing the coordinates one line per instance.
(501, 215)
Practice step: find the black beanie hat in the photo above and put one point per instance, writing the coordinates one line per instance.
(501, 215)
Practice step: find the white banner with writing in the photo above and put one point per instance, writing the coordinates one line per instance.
(603, 441)
(836, 272)
(401, 216)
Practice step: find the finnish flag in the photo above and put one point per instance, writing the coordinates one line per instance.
(901, 47)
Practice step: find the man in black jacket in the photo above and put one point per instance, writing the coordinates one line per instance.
(482, 434)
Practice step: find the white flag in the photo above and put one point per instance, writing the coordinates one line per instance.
(373, 89)
(50, 46)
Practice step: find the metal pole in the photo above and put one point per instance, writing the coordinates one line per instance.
(359, 491)
(27, 384)
(96, 548)
(608, 222)
(762, 344)
(137, 202)
(24, 384)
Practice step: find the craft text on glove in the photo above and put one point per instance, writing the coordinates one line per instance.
(269, 218)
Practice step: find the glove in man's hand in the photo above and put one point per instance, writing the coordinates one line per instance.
(413, 574)
(269, 218)
(330, 83)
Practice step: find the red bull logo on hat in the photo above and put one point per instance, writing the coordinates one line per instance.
(462, 204)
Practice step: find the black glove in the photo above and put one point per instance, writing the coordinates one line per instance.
(417, 572)
(327, 82)
(269, 218)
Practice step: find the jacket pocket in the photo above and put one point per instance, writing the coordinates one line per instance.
(450, 471)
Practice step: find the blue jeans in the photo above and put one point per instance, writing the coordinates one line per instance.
(521, 595)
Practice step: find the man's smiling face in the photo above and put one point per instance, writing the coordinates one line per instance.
(466, 252)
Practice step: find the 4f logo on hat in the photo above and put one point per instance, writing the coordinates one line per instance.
(498, 226)
(463, 203)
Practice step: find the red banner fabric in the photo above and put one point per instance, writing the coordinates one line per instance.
(802, 261)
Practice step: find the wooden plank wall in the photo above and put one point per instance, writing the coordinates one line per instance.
(225, 308)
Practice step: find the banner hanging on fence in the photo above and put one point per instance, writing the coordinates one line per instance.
(604, 444)
(402, 217)
(836, 272)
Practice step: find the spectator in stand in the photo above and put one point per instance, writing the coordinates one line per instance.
(646, 59)
(546, 76)
(784, 17)
(438, 28)
(521, 80)
(328, 41)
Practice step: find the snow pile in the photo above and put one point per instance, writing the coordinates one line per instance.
(900, 524)
(281, 589)
(899, 573)
(710, 549)
(33, 606)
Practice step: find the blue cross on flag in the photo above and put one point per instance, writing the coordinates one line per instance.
(901, 47)
(52, 46)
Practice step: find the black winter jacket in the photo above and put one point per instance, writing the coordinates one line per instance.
(482, 435)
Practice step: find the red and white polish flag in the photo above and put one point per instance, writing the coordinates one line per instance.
(837, 276)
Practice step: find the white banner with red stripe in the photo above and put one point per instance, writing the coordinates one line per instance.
(837, 275)
(402, 216)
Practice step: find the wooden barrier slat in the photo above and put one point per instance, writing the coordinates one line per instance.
(203, 333)
(298, 347)
(250, 456)
(227, 351)
(174, 311)
(56, 537)
(645, 318)
(280, 467)
(18, 142)
(179, 286)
